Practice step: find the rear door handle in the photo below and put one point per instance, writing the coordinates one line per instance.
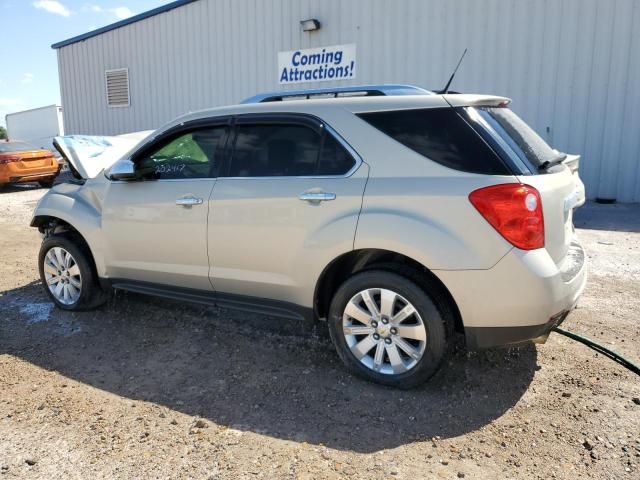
(317, 196)
(188, 201)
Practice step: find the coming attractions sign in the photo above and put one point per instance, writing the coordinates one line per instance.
(336, 62)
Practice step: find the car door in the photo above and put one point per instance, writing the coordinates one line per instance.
(285, 206)
(155, 228)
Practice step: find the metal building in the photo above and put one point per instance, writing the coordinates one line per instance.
(572, 67)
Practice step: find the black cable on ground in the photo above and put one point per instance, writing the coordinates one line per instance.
(600, 349)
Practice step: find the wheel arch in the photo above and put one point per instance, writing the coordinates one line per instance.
(66, 207)
(350, 263)
(52, 225)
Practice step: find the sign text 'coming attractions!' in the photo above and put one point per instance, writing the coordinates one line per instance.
(337, 62)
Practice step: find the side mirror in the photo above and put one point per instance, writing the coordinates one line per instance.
(122, 170)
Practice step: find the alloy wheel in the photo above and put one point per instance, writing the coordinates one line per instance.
(384, 331)
(62, 274)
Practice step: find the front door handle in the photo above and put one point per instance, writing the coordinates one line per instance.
(188, 201)
(317, 196)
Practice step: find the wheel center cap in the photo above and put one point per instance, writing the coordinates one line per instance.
(383, 330)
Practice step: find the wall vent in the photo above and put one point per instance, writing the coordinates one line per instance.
(117, 82)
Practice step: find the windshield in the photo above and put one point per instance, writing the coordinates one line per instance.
(15, 147)
(520, 138)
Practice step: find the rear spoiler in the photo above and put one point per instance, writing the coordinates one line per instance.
(469, 100)
(573, 162)
(579, 196)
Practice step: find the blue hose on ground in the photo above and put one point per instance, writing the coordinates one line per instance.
(600, 349)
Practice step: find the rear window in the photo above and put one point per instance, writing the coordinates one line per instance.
(15, 147)
(530, 147)
(441, 135)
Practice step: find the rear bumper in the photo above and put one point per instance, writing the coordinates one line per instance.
(11, 173)
(485, 337)
(521, 298)
(32, 178)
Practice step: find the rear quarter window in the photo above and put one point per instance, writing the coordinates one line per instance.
(441, 135)
(334, 159)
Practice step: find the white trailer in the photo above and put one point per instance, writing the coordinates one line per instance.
(37, 126)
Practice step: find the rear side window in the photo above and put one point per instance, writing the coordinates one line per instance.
(441, 135)
(286, 150)
(274, 151)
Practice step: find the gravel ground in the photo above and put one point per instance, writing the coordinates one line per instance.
(147, 388)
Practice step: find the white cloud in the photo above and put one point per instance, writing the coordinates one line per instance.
(119, 12)
(122, 12)
(52, 6)
(27, 78)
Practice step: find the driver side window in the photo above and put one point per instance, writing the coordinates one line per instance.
(194, 154)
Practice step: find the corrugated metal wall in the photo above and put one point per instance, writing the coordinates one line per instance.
(572, 67)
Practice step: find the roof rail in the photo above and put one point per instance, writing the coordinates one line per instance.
(337, 92)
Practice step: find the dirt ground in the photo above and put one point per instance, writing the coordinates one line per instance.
(144, 388)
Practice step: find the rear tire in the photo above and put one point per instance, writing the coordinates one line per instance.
(389, 346)
(68, 273)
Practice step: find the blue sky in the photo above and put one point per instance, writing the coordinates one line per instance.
(29, 73)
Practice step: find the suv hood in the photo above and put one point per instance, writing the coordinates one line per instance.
(88, 155)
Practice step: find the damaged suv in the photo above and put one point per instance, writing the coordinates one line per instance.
(397, 215)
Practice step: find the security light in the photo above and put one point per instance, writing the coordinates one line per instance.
(310, 25)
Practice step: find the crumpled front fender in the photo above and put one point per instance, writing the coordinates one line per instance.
(80, 206)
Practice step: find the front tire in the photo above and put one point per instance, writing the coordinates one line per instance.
(68, 274)
(387, 329)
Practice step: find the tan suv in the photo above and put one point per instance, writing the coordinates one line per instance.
(397, 216)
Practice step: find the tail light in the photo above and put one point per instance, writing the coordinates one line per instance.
(515, 211)
(5, 159)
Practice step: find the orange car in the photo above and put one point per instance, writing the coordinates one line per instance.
(20, 163)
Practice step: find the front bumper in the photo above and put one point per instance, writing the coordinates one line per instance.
(521, 298)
